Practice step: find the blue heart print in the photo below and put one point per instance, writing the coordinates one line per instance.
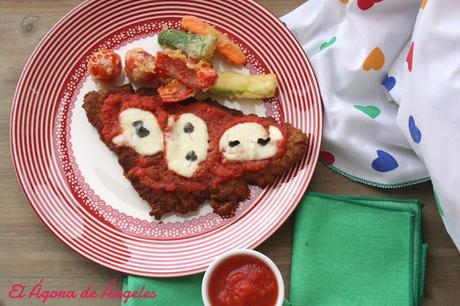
(384, 162)
(389, 82)
(414, 130)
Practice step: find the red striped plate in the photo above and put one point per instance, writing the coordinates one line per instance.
(75, 184)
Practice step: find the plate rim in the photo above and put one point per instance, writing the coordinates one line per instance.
(20, 176)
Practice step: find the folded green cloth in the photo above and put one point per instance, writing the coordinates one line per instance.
(357, 251)
(346, 251)
(169, 291)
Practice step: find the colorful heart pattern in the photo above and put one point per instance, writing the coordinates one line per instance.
(384, 162)
(367, 4)
(375, 60)
(389, 82)
(414, 130)
(328, 43)
(410, 56)
(370, 110)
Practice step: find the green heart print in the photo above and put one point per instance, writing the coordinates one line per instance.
(328, 43)
(370, 110)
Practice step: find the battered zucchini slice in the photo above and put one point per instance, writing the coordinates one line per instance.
(194, 45)
(243, 86)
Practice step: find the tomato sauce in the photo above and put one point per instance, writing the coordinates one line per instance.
(153, 170)
(243, 280)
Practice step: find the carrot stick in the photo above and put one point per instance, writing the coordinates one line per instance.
(227, 48)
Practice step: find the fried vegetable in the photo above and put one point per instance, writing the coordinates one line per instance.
(227, 48)
(243, 86)
(105, 65)
(175, 91)
(199, 46)
(173, 64)
(140, 65)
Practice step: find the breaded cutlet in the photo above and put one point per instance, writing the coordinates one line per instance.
(224, 197)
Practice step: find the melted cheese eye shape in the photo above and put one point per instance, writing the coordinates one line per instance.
(250, 141)
(140, 131)
(186, 144)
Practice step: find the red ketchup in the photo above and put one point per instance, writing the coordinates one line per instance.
(242, 280)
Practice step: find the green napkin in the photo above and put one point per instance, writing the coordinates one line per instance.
(169, 291)
(346, 251)
(357, 251)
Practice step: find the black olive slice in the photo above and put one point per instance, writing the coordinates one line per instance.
(141, 131)
(262, 141)
(191, 156)
(233, 143)
(188, 128)
(138, 123)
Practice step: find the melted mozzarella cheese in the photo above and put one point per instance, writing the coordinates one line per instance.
(140, 131)
(249, 141)
(186, 144)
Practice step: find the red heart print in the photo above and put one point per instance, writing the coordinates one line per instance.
(327, 157)
(409, 57)
(367, 4)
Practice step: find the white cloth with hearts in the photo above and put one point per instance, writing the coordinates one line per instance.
(389, 74)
